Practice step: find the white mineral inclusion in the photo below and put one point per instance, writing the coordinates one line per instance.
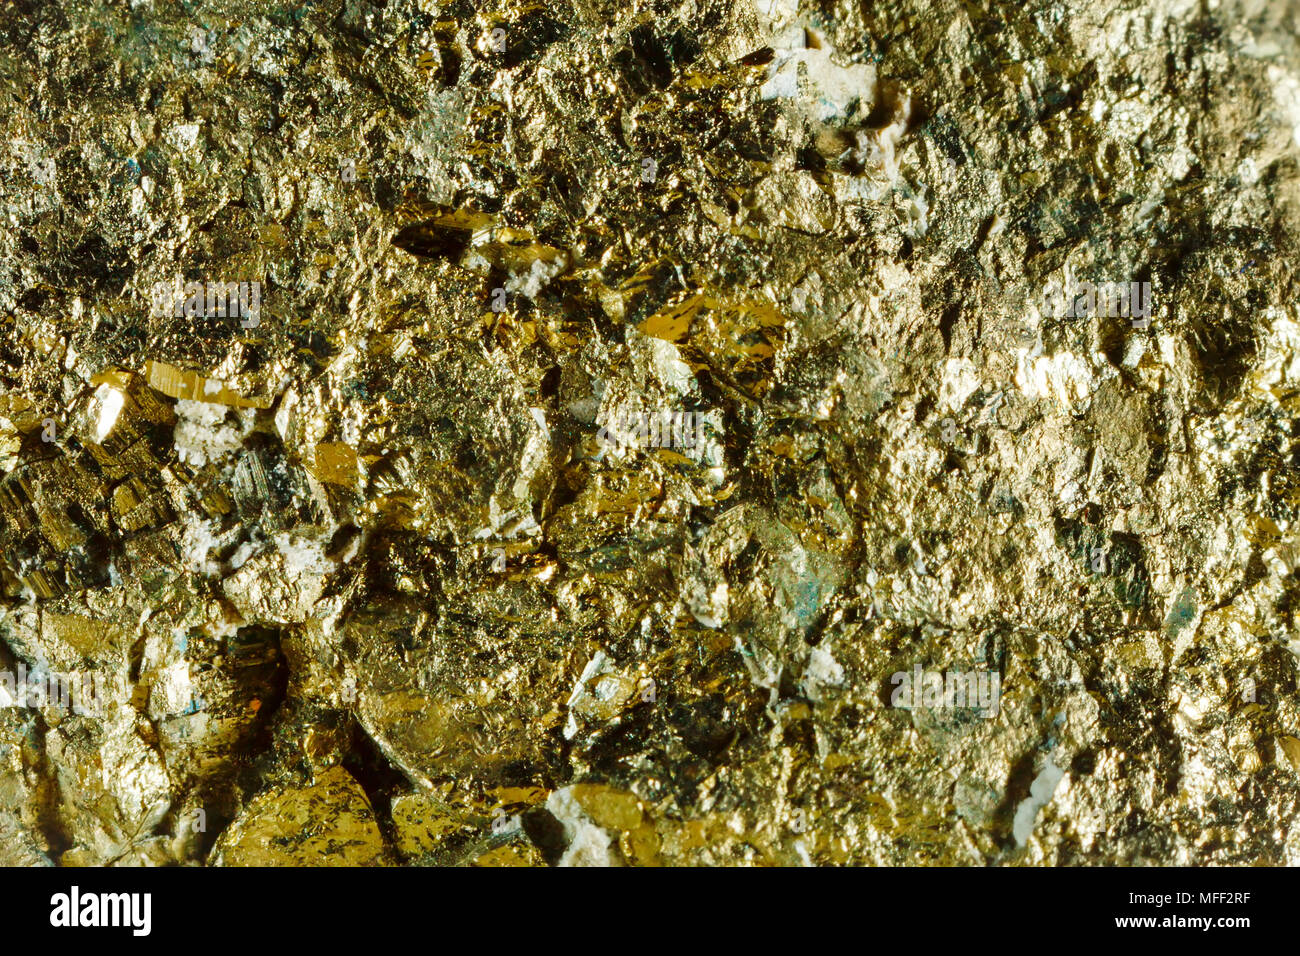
(202, 433)
(303, 555)
(673, 372)
(538, 276)
(710, 609)
(1040, 794)
(828, 91)
(822, 670)
(588, 844)
(960, 381)
(197, 541)
(598, 665)
(183, 136)
(1063, 376)
(1286, 90)
(918, 214)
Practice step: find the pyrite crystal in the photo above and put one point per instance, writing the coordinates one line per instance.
(717, 432)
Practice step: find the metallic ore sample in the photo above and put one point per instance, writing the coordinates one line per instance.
(740, 432)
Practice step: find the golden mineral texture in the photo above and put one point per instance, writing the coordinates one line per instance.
(681, 432)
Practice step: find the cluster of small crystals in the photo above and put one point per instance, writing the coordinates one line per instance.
(361, 582)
